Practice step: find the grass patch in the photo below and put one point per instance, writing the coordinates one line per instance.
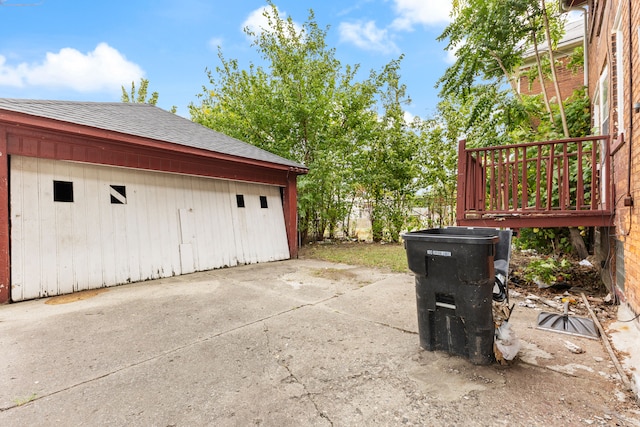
(24, 400)
(387, 256)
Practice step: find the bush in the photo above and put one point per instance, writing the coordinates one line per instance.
(545, 240)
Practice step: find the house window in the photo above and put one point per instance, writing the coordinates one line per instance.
(601, 122)
(240, 200)
(63, 191)
(618, 74)
(263, 202)
(601, 104)
(118, 194)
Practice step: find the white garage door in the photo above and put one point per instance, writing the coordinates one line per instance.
(77, 226)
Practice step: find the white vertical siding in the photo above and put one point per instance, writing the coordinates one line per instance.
(94, 214)
(171, 224)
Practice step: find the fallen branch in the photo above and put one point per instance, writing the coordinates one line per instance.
(607, 344)
(545, 301)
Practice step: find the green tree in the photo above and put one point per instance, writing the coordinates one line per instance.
(439, 160)
(303, 104)
(140, 95)
(491, 37)
(390, 159)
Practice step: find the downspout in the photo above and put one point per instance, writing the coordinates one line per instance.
(585, 50)
(628, 200)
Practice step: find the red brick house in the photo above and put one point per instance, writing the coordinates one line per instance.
(568, 79)
(593, 181)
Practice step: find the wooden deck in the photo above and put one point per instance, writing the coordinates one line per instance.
(561, 183)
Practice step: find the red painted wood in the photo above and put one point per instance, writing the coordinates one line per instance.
(5, 257)
(594, 200)
(567, 219)
(524, 179)
(580, 185)
(550, 167)
(515, 179)
(538, 176)
(116, 153)
(559, 169)
(462, 187)
(290, 206)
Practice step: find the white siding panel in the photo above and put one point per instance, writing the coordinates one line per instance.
(28, 209)
(202, 228)
(239, 224)
(131, 207)
(119, 214)
(187, 264)
(79, 240)
(187, 237)
(222, 219)
(48, 233)
(252, 238)
(276, 245)
(92, 224)
(171, 195)
(18, 274)
(107, 231)
(64, 225)
(139, 196)
(169, 224)
(155, 239)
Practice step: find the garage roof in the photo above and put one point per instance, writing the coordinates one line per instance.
(143, 120)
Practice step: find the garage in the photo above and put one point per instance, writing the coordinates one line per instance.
(101, 194)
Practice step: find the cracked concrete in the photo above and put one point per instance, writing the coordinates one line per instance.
(300, 342)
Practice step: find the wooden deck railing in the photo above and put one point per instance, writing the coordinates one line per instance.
(541, 184)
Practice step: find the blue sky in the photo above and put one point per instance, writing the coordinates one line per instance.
(87, 50)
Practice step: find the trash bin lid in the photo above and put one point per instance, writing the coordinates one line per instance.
(450, 235)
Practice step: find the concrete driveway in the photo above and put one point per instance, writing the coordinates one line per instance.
(298, 342)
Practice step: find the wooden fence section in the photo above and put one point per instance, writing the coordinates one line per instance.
(540, 184)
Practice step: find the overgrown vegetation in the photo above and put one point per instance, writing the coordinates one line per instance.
(385, 256)
(482, 85)
(547, 271)
(351, 133)
(545, 240)
(479, 92)
(301, 102)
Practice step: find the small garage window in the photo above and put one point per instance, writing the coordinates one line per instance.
(63, 191)
(263, 202)
(118, 194)
(240, 200)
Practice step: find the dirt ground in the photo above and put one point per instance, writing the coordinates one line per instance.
(580, 279)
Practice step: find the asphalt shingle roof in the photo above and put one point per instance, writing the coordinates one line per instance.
(142, 120)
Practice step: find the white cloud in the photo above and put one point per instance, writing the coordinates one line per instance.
(258, 22)
(366, 35)
(408, 117)
(214, 42)
(102, 70)
(421, 12)
(9, 76)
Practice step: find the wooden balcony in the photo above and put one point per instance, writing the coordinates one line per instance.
(563, 183)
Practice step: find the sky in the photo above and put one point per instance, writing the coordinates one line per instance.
(87, 50)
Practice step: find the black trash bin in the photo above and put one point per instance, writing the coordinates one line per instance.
(454, 274)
